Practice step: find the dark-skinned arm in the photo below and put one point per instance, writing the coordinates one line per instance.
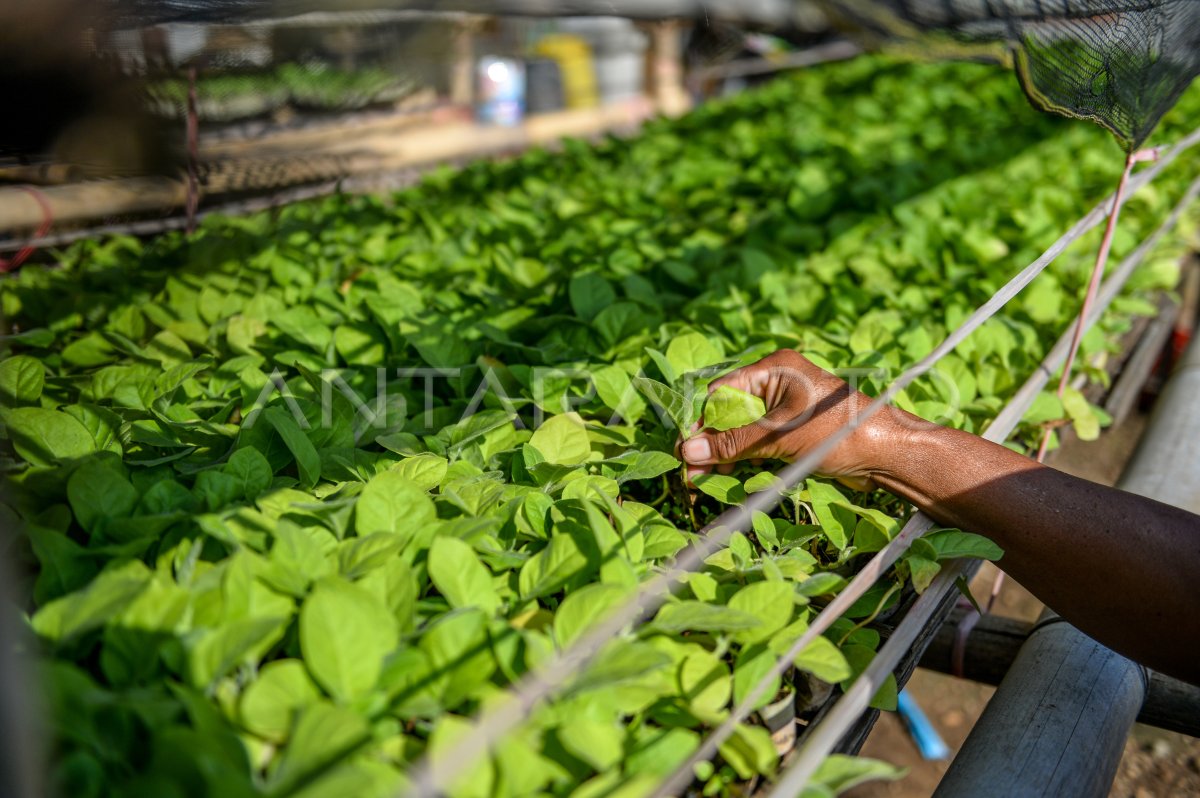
(1122, 568)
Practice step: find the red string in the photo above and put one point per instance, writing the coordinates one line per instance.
(14, 263)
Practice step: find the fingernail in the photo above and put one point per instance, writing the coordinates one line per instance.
(696, 450)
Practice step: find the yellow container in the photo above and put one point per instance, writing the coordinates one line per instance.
(574, 59)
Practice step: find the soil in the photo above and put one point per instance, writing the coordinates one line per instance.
(1156, 764)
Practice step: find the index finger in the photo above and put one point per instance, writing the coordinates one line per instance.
(751, 379)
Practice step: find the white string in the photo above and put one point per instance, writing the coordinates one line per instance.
(432, 774)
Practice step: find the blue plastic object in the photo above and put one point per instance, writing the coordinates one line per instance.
(929, 742)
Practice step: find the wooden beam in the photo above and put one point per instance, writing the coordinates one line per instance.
(380, 149)
(666, 67)
(78, 201)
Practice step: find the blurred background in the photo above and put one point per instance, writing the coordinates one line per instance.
(187, 105)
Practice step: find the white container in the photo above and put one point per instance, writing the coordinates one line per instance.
(501, 91)
(618, 51)
(620, 76)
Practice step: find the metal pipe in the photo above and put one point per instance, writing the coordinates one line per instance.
(1058, 722)
(993, 647)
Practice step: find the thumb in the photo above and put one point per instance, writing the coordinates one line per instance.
(739, 443)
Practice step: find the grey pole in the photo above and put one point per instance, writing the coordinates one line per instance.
(1058, 722)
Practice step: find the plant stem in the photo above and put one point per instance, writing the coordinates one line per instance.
(666, 492)
(874, 614)
(688, 498)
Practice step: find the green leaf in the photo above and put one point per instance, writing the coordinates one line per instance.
(859, 658)
(677, 409)
(1083, 417)
(213, 652)
(548, 570)
(728, 407)
(820, 584)
(103, 424)
(359, 556)
(45, 437)
(458, 575)
(697, 616)
(363, 778)
(840, 772)
(360, 344)
(458, 649)
(668, 371)
(583, 609)
(619, 321)
(615, 389)
(251, 470)
(391, 503)
(424, 470)
(302, 324)
(271, 702)
(590, 293)
(562, 440)
(1046, 406)
(345, 632)
(84, 610)
(772, 603)
(644, 465)
(660, 751)
(98, 491)
(65, 565)
(691, 352)
(308, 462)
(299, 556)
(323, 735)
(90, 350)
(597, 742)
(922, 571)
(749, 751)
(725, 489)
(827, 504)
(1043, 299)
(964, 589)
(822, 659)
(752, 666)
(760, 482)
(218, 489)
(951, 543)
(21, 380)
(705, 684)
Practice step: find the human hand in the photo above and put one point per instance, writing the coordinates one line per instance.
(805, 405)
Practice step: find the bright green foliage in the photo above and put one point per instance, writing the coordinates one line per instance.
(728, 407)
(259, 564)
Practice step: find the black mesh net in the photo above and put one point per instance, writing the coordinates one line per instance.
(1120, 63)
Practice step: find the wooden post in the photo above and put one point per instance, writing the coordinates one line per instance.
(666, 68)
(193, 154)
(80, 201)
(462, 70)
